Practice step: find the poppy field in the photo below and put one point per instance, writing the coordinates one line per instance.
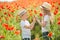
(10, 21)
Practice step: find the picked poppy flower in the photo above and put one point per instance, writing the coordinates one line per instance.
(41, 14)
(2, 36)
(17, 32)
(50, 34)
(35, 11)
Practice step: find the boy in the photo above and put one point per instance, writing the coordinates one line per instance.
(25, 25)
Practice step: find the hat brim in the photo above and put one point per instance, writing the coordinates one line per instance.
(41, 7)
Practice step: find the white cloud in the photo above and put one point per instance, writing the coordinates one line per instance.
(6, 0)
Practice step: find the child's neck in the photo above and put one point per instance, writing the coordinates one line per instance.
(23, 19)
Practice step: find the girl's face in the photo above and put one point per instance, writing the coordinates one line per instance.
(42, 10)
(25, 16)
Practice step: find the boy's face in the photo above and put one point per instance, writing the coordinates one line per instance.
(25, 16)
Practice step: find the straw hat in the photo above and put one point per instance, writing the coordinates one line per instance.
(22, 12)
(46, 5)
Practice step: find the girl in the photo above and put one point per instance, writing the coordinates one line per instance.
(45, 23)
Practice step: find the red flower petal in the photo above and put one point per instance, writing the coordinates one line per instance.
(56, 11)
(58, 18)
(9, 14)
(5, 13)
(41, 14)
(6, 18)
(58, 23)
(53, 6)
(59, 3)
(5, 25)
(50, 34)
(0, 20)
(2, 36)
(35, 11)
(17, 32)
(1, 6)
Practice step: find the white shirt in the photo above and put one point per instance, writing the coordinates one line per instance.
(26, 33)
(47, 27)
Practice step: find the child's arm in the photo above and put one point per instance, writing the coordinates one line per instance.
(38, 20)
(31, 25)
(43, 23)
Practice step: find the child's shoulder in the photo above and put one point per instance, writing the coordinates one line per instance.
(46, 16)
(21, 21)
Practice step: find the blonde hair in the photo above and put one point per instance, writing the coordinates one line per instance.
(46, 11)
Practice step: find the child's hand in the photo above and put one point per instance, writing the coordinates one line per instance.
(34, 19)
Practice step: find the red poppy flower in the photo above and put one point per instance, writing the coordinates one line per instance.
(1, 6)
(41, 14)
(1, 36)
(57, 8)
(53, 2)
(6, 18)
(58, 23)
(17, 32)
(9, 14)
(50, 34)
(59, 3)
(5, 13)
(5, 25)
(8, 6)
(12, 28)
(35, 11)
(12, 10)
(58, 18)
(53, 6)
(55, 12)
(9, 28)
(30, 14)
(30, 11)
